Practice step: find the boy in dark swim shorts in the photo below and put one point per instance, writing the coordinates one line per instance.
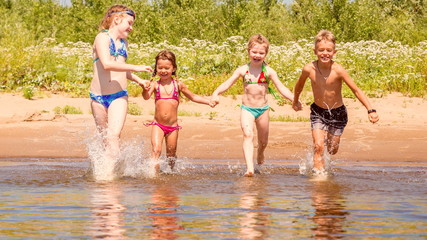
(333, 121)
(328, 113)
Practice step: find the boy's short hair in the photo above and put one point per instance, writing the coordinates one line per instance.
(259, 39)
(324, 35)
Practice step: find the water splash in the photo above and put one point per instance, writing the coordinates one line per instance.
(134, 161)
(306, 164)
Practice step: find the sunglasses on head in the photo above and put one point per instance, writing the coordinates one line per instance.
(128, 12)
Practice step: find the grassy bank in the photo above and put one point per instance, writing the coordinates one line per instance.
(377, 67)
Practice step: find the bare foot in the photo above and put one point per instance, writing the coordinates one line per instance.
(249, 174)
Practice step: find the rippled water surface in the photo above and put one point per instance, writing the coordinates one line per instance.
(54, 199)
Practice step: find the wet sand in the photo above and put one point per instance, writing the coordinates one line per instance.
(29, 128)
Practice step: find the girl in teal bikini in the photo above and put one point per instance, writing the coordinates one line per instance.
(166, 98)
(256, 79)
(110, 73)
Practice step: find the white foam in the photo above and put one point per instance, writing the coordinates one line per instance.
(134, 161)
(306, 164)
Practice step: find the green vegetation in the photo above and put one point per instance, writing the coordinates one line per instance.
(46, 46)
(134, 109)
(286, 118)
(67, 109)
(183, 113)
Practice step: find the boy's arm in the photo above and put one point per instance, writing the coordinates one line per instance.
(279, 85)
(299, 86)
(226, 85)
(192, 96)
(372, 114)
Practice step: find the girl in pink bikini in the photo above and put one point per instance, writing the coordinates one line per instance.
(166, 94)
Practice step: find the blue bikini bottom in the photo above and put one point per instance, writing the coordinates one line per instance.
(106, 100)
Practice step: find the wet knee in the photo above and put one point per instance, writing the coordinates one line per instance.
(262, 144)
(157, 150)
(319, 147)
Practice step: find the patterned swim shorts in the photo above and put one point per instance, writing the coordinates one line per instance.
(331, 120)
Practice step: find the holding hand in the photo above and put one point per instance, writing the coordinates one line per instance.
(145, 84)
(297, 106)
(213, 103)
(215, 99)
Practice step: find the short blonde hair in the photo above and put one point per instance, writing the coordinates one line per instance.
(324, 35)
(260, 39)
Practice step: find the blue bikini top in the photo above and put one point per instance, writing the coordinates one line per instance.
(114, 51)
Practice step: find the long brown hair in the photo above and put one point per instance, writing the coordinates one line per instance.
(165, 55)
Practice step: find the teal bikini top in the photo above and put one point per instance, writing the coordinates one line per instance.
(116, 52)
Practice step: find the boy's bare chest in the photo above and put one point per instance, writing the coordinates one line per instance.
(320, 80)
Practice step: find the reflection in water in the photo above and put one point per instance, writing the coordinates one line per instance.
(330, 211)
(164, 205)
(107, 212)
(254, 219)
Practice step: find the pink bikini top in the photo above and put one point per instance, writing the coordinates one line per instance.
(175, 93)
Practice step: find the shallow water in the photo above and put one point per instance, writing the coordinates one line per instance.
(54, 199)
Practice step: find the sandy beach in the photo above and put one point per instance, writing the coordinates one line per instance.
(31, 129)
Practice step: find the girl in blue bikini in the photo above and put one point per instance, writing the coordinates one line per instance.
(166, 96)
(256, 79)
(110, 73)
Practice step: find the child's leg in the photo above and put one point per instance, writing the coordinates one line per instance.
(319, 146)
(262, 125)
(171, 145)
(116, 119)
(157, 136)
(247, 123)
(100, 114)
(333, 143)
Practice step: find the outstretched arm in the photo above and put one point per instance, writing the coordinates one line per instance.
(372, 115)
(141, 82)
(296, 104)
(192, 96)
(279, 85)
(226, 85)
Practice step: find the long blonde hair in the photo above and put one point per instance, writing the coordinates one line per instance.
(120, 10)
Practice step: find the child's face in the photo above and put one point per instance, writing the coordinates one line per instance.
(257, 53)
(124, 24)
(164, 69)
(324, 51)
